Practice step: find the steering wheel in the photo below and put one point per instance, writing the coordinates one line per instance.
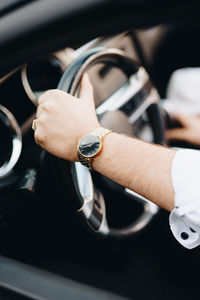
(133, 98)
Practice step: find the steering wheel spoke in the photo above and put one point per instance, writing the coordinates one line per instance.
(125, 94)
(143, 201)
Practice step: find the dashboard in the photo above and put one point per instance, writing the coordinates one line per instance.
(21, 88)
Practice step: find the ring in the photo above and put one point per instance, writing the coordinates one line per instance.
(34, 125)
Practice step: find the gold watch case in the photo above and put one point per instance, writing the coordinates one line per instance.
(89, 145)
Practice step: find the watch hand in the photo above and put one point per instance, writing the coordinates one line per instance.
(88, 145)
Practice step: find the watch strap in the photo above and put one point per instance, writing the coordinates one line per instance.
(86, 161)
(100, 132)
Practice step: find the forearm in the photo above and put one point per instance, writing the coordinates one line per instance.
(139, 166)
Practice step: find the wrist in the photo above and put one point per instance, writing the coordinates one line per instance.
(110, 144)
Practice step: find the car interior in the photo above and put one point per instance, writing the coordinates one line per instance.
(66, 232)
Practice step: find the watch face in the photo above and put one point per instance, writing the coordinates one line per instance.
(89, 145)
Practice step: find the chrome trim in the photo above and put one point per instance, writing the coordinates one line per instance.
(130, 88)
(8, 75)
(152, 207)
(137, 226)
(153, 97)
(27, 86)
(91, 44)
(123, 96)
(104, 225)
(86, 189)
(9, 119)
(25, 127)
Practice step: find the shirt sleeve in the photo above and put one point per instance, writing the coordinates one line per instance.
(185, 217)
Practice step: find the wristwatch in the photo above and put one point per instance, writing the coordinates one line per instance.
(90, 145)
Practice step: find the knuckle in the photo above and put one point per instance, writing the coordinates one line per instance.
(46, 95)
(43, 120)
(49, 106)
(43, 97)
(45, 106)
(38, 137)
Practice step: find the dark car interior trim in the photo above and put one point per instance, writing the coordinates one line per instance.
(35, 284)
(9, 5)
(49, 24)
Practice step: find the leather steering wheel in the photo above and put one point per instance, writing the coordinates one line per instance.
(134, 98)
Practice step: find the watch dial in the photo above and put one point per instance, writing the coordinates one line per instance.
(89, 145)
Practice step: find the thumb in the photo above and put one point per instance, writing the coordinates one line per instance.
(86, 89)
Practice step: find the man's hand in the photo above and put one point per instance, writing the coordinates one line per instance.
(63, 119)
(190, 131)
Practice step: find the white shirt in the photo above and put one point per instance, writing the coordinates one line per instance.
(183, 95)
(185, 217)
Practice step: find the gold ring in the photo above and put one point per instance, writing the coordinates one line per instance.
(34, 125)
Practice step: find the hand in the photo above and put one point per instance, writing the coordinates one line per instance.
(190, 131)
(63, 119)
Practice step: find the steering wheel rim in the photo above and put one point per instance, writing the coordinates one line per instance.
(7, 118)
(92, 204)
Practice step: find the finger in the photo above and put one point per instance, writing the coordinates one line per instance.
(39, 111)
(184, 120)
(50, 94)
(40, 136)
(86, 88)
(175, 134)
(37, 136)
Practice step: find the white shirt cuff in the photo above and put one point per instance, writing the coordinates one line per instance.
(185, 217)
